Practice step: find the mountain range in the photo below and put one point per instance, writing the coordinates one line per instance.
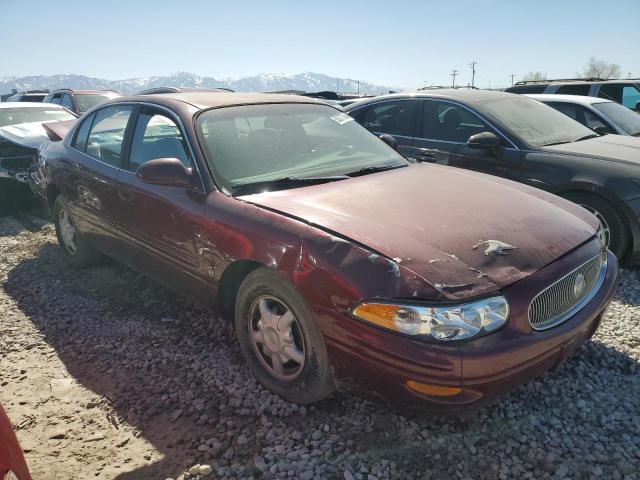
(266, 82)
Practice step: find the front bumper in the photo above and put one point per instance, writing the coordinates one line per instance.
(380, 363)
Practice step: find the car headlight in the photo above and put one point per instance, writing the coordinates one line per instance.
(445, 323)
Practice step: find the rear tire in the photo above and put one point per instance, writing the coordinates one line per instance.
(75, 247)
(611, 220)
(279, 339)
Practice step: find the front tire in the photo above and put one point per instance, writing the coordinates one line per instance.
(613, 223)
(279, 339)
(75, 247)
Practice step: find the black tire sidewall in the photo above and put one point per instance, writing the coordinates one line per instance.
(85, 255)
(316, 380)
(619, 236)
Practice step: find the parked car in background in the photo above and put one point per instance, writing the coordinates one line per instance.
(12, 463)
(79, 101)
(515, 137)
(625, 92)
(298, 223)
(600, 115)
(21, 133)
(28, 96)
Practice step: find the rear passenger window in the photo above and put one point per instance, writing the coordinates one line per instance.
(394, 117)
(66, 102)
(80, 142)
(106, 136)
(156, 136)
(574, 90)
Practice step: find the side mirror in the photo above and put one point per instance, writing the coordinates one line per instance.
(165, 171)
(483, 140)
(389, 140)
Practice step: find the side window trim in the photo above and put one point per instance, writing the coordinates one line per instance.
(473, 112)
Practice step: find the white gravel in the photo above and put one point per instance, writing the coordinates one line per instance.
(147, 385)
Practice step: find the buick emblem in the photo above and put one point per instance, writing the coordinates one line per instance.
(578, 285)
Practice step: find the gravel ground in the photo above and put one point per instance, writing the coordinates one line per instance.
(105, 374)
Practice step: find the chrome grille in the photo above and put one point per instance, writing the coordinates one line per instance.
(561, 300)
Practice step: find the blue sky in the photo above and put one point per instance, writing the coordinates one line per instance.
(400, 43)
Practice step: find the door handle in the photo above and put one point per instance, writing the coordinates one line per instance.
(125, 195)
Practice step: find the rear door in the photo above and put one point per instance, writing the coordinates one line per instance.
(161, 224)
(395, 117)
(445, 128)
(97, 154)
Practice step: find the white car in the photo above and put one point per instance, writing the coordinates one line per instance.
(599, 114)
(22, 131)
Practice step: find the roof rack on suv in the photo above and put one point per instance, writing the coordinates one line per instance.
(551, 80)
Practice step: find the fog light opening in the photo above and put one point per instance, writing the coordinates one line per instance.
(434, 390)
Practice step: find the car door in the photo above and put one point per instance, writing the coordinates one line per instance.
(96, 159)
(394, 117)
(445, 128)
(161, 224)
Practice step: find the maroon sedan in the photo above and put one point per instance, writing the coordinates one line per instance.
(341, 263)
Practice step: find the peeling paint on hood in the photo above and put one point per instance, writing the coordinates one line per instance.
(427, 218)
(30, 135)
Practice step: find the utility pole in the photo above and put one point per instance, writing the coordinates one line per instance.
(454, 74)
(513, 75)
(473, 73)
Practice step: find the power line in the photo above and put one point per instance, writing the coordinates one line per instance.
(454, 74)
(473, 73)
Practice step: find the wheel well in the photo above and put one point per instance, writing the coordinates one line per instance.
(230, 282)
(52, 194)
(616, 204)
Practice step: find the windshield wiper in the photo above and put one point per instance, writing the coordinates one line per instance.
(374, 169)
(285, 182)
(636, 134)
(586, 137)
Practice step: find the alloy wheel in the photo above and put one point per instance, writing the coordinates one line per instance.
(67, 231)
(606, 230)
(276, 338)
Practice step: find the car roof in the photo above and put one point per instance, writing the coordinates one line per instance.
(29, 105)
(579, 99)
(203, 100)
(463, 95)
(74, 90)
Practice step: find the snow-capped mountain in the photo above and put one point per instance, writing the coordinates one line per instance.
(266, 82)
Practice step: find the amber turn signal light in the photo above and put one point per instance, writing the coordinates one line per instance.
(435, 390)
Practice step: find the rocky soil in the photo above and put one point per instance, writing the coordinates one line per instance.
(107, 375)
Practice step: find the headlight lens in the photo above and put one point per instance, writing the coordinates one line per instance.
(444, 323)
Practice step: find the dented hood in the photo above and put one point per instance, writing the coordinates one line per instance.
(464, 233)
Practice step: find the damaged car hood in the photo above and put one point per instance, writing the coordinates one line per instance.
(464, 233)
(620, 148)
(30, 135)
